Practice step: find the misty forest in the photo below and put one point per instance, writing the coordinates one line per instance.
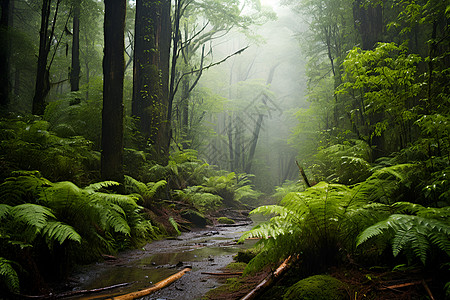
(315, 131)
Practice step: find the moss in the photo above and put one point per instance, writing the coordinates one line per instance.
(225, 220)
(236, 267)
(317, 287)
(245, 256)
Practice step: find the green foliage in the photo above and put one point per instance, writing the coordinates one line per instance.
(233, 189)
(147, 192)
(183, 169)
(85, 222)
(314, 222)
(382, 81)
(9, 276)
(415, 233)
(174, 224)
(390, 184)
(203, 201)
(29, 145)
(346, 163)
(287, 187)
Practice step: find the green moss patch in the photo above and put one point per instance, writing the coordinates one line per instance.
(317, 287)
(225, 220)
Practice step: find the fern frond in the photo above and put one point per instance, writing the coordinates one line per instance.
(411, 232)
(55, 230)
(9, 275)
(271, 209)
(114, 217)
(32, 215)
(4, 211)
(174, 224)
(100, 185)
(24, 188)
(153, 187)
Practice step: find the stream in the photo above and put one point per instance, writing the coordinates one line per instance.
(205, 250)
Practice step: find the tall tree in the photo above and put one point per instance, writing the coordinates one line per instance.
(46, 34)
(148, 97)
(4, 53)
(75, 68)
(113, 75)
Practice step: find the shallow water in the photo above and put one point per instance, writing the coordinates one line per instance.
(206, 250)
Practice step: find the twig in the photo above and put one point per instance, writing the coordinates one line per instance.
(425, 285)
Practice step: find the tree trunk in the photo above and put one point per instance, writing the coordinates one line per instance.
(75, 69)
(369, 20)
(42, 86)
(113, 75)
(164, 132)
(4, 54)
(150, 74)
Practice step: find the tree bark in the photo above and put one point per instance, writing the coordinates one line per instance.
(113, 75)
(75, 68)
(42, 86)
(150, 73)
(369, 22)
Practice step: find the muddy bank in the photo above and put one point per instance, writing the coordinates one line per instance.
(207, 250)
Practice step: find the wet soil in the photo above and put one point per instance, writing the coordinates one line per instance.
(205, 250)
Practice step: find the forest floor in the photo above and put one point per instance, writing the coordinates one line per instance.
(360, 284)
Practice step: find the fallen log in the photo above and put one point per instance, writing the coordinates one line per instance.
(269, 279)
(159, 285)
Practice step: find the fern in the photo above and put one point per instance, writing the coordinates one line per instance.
(410, 232)
(174, 224)
(310, 222)
(94, 187)
(9, 275)
(344, 163)
(24, 187)
(389, 184)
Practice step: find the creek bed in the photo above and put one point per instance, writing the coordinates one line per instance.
(206, 250)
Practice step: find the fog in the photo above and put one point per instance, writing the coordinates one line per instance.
(274, 65)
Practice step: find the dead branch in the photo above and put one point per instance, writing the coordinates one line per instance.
(303, 174)
(159, 285)
(269, 280)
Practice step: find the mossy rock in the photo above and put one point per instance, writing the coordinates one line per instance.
(317, 287)
(225, 220)
(194, 217)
